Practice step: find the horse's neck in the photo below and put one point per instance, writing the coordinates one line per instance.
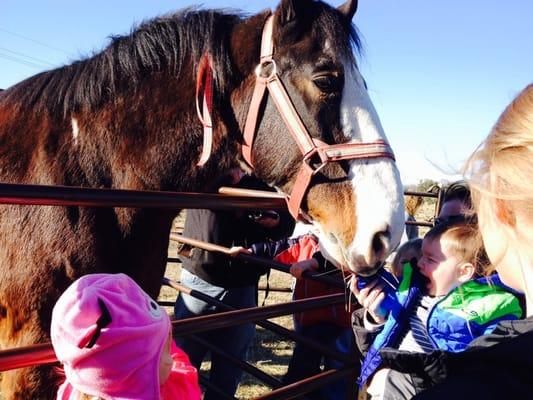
(149, 139)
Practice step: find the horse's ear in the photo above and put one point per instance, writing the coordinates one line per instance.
(288, 11)
(348, 9)
(288, 16)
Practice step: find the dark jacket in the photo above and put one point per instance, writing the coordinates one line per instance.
(496, 366)
(230, 228)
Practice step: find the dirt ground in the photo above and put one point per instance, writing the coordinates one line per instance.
(268, 352)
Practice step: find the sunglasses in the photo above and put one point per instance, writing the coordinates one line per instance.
(452, 218)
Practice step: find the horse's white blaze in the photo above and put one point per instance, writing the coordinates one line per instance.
(75, 130)
(376, 182)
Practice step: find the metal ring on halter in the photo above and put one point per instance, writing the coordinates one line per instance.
(261, 71)
(307, 160)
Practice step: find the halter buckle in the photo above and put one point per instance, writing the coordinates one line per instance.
(323, 160)
(266, 69)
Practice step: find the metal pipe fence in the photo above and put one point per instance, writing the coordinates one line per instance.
(266, 262)
(11, 193)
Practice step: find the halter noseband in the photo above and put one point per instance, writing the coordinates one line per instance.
(268, 78)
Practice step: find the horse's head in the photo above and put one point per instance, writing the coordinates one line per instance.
(356, 199)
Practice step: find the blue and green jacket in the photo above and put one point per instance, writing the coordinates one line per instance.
(468, 311)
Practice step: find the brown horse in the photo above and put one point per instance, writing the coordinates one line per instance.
(126, 118)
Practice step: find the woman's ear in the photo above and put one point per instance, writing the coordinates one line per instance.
(503, 213)
(465, 272)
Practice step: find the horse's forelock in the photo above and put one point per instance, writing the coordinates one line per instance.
(341, 34)
(329, 25)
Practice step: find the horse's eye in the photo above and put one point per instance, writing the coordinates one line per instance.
(327, 83)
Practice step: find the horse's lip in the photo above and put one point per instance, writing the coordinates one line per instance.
(365, 274)
(364, 271)
(368, 270)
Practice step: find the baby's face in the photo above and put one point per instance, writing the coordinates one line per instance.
(165, 362)
(439, 266)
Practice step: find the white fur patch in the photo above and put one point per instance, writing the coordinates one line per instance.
(376, 182)
(75, 130)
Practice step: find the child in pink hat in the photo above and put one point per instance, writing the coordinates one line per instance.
(115, 343)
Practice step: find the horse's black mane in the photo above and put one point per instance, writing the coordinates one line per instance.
(162, 45)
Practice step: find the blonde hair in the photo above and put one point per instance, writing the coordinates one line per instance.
(408, 250)
(502, 166)
(412, 204)
(463, 240)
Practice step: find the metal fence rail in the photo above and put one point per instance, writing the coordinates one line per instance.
(43, 195)
(266, 262)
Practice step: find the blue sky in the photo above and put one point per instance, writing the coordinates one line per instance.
(439, 73)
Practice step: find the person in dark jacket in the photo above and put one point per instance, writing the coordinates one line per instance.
(500, 365)
(230, 280)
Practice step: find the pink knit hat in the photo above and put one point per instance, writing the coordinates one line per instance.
(109, 335)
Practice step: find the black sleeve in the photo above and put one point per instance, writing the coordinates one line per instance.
(271, 249)
(363, 337)
(323, 264)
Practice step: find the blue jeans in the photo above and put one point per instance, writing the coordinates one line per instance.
(346, 387)
(233, 340)
(306, 362)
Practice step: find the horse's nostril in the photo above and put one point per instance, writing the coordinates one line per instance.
(380, 242)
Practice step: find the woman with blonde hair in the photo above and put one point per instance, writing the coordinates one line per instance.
(499, 365)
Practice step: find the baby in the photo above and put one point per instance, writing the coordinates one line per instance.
(439, 304)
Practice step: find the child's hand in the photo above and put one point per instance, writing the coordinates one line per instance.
(297, 269)
(370, 297)
(236, 250)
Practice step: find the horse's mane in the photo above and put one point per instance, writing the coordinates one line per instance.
(163, 45)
